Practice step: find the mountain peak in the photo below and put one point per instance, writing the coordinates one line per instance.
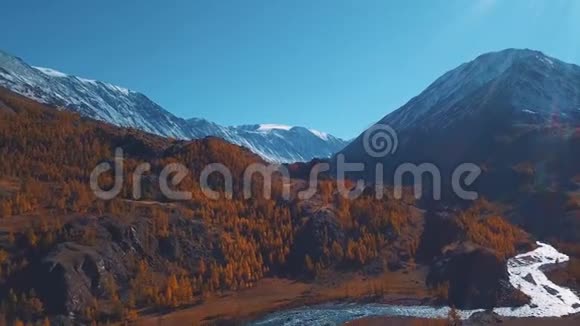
(509, 57)
(272, 127)
(533, 79)
(499, 110)
(511, 53)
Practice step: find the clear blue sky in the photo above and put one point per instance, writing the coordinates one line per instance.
(332, 65)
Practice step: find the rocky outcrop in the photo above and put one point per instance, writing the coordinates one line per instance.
(75, 274)
(476, 278)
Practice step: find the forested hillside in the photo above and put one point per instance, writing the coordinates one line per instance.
(66, 252)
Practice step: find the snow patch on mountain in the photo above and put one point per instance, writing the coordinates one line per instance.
(51, 72)
(320, 134)
(269, 127)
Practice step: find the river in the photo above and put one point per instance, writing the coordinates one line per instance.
(525, 273)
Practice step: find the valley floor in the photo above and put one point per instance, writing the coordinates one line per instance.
(405, 287)
(273, 294)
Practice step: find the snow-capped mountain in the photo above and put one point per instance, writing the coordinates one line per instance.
(298, 143)
(126, 108)
(540, 87)
(502, 110)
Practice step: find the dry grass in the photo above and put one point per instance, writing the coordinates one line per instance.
(386, 285)
(268, 295)
(274, 294)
